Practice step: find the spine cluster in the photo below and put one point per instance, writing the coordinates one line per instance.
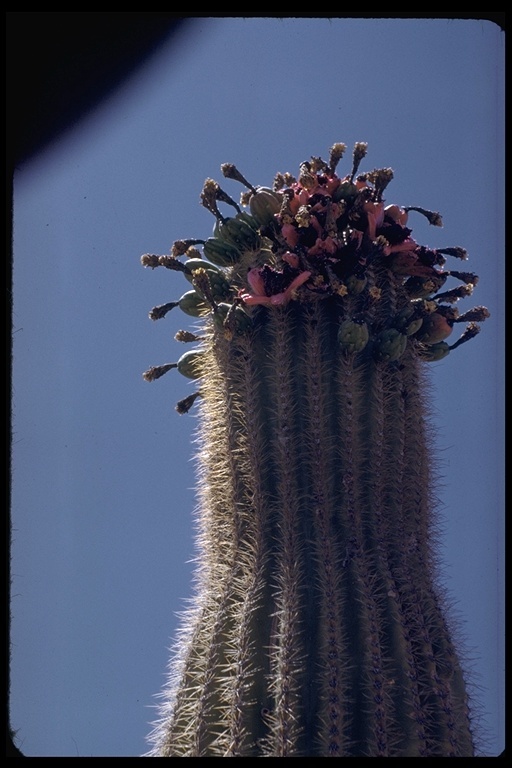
(318, 628)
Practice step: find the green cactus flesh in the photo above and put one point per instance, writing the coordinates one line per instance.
(319, 627)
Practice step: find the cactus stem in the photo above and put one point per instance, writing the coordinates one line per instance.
(318, 627)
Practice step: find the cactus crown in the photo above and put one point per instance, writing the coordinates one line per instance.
(316, 236)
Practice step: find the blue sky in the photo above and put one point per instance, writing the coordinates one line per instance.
(102, 466)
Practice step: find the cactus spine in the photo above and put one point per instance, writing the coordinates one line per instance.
(318, 628)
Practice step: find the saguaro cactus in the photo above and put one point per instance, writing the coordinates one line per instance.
(318, 627)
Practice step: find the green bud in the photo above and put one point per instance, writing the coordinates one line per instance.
(248, 219)
(345, 191)
(356, 283)
(190, 363)
(221, 253)
(265, 204)
(219, 286)
(407, 320)
(197, 263)
(238, 320)
(237, 233)
(422, 287)
(353, 336)
(390, 345)
(414, 326)
(193, 304)
(433, 352)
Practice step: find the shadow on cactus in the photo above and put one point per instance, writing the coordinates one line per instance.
(318, 627)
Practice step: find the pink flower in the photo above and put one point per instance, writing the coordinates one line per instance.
(326, 185)
(258, 295)
(323, 246)
(332, 184)
(291, 258)
(316, 225)
(290, 235)
(406, 245)
(375, 215)
(356, 236)
(255, 280)
(397, 214)
(406, 262)
(300, 197)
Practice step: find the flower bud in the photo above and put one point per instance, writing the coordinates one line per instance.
(353, 336)
(390, 345)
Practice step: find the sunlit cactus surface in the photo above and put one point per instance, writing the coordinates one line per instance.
(318, 627)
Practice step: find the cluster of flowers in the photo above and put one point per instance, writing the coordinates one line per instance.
(314, 236)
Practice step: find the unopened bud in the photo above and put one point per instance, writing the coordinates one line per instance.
(390, 345)
(431, 353)
(353, 336)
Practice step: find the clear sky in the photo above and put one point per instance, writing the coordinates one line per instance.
(103, 470)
